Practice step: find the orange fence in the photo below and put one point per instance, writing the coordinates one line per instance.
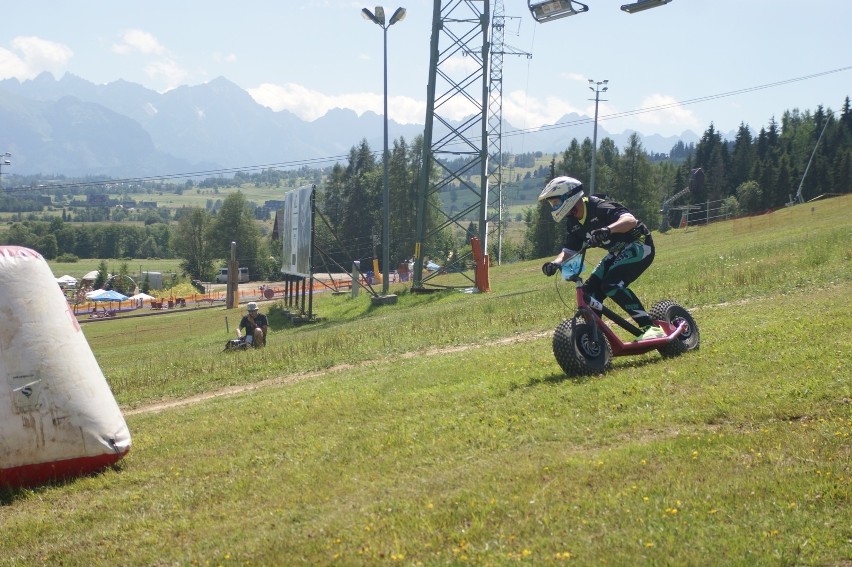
(98, 310)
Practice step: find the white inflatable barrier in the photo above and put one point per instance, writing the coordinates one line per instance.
(58, 417)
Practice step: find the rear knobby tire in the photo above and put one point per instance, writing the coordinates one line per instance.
(577, 353)
(674, 315)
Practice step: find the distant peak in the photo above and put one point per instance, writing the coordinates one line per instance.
(44, 77)
(221, 81)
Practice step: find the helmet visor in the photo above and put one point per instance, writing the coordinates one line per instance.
(564, 205)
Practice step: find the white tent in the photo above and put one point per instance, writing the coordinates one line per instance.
(58, 417)
(91, 276)
(142, 296)
(66, 280)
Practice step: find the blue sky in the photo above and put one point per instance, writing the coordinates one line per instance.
(308, 56)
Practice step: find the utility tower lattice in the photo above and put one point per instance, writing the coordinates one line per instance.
(495, 122)
(454, 154)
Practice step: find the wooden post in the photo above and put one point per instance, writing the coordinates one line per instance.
(231, 300)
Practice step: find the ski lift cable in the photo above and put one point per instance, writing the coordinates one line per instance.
(519, 132)
(681, 103)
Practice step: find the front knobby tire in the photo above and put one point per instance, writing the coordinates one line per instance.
(674, 315)
(576, 351)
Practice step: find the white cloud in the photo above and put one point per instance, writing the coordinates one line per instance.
(460, 65)
(138, 41)
(32, 55)
(160, 67)
(519, 109)
(523, 111)
(574, 77)
(309, 105)
(166, 72)
(665, 114)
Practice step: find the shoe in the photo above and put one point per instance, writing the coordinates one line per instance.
(651, 332)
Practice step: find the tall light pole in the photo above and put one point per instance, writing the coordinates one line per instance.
(378, 18)
(597, 90)
(4, 160)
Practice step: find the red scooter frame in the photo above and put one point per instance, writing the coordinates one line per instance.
(619, 347)
(585, 344)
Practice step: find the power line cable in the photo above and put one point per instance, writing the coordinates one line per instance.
(518, 132)
(185, 175)
(675, 103)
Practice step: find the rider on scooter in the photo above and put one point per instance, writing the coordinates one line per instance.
(607, 224)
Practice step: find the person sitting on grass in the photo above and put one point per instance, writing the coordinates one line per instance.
(256, 326)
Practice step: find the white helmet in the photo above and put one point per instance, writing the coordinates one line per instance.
(569, 189)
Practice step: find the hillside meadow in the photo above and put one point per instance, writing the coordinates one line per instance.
(441, 431)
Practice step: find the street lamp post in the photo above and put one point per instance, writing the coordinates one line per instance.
(4, 160)
(378, 18)
(597, 90)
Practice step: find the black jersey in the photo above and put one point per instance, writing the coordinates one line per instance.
(249, 325)
(601, 213)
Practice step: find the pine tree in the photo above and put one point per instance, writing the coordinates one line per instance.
(636, 189)
(361, 204)
(402, 182)
(742, 156)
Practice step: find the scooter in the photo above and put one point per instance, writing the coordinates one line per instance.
(585, 344)
(239, 343)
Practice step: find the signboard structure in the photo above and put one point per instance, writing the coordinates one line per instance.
(296, 228)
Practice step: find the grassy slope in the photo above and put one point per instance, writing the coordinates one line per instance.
(452, 437)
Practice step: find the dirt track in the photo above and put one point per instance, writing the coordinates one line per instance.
(292, 378)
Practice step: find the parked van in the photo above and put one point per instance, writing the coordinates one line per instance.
(222, 276)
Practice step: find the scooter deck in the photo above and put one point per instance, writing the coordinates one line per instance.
(620, 348)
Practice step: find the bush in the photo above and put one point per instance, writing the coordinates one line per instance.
(750, 197)
(730, 207)
(67, 258)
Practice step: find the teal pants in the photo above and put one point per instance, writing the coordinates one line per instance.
(615, 272)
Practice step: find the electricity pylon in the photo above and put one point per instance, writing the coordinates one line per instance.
(454, 153)
(495, 122)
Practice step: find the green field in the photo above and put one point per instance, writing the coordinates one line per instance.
(441, 431)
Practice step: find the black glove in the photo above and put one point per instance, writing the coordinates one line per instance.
(550, 268)
(599, 236)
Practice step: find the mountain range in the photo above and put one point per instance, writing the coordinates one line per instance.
(76, 128)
